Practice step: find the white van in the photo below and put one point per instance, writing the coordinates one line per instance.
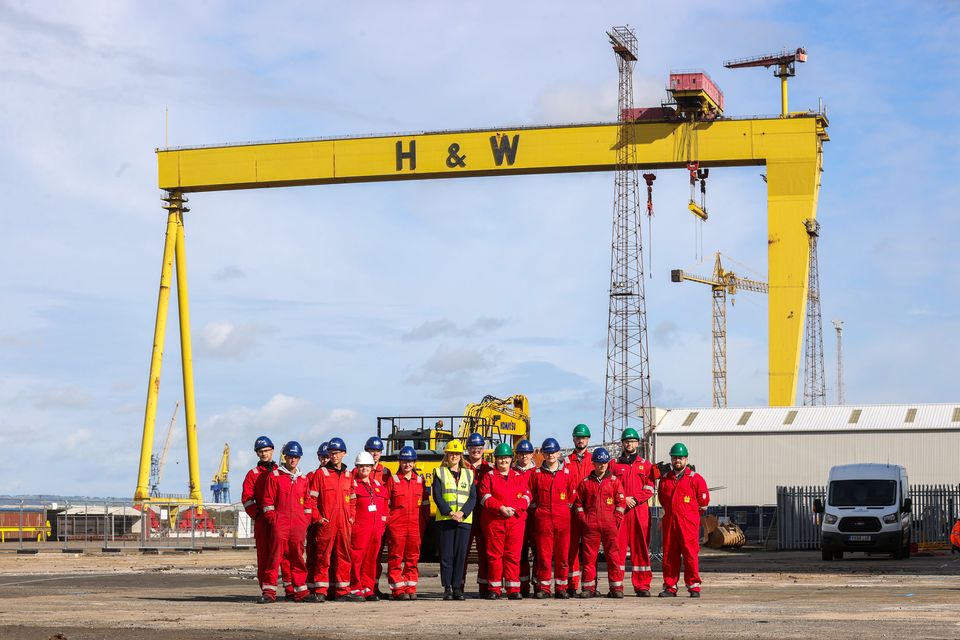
(867, 509)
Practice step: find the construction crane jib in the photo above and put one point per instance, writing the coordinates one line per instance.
(789, 148)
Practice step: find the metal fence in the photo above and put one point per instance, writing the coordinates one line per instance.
(116, 525)
(935, 508)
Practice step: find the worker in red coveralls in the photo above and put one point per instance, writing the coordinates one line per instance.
(252, 499)
(684, 497)
(553, 489)
(579, 463)
(332, 490)
(505, 498)
(374, 446)
(288, 510)
(955, 538)
(523, 464)
(368, 528)
(409, 504)
(475, 462)
(322, 457)
(637, 475)
(600, 507)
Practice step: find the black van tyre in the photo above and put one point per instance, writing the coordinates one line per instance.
(838, 555)
(826, 555)
(898, 553)
(906, 549)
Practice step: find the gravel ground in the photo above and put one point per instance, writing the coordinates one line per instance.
(752, 594)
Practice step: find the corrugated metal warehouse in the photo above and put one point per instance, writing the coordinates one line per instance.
(750, 451)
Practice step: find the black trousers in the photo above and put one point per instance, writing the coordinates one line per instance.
(452, 543)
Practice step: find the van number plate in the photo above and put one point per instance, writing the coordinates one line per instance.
(861, 538)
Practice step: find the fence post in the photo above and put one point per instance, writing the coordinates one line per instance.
(20, 537)
(236, 527)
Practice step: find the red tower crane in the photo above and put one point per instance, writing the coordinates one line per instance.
(785, 63)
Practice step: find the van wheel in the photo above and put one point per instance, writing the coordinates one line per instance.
(906, 549)
(898, 553)
(838, 555)
(826, 555)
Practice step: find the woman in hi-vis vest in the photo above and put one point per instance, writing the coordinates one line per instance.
(455, 497)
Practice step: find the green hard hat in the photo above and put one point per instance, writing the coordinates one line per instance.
(581, 431)
(630, 434)
(503, 450)
(678, 450)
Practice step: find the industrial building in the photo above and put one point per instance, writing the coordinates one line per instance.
(747, 452)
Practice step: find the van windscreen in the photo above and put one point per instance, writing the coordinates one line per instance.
(863, 493)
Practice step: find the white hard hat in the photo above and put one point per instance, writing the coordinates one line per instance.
(364, 458)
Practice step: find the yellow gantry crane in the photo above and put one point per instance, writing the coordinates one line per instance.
(723, 283)
(788, 146)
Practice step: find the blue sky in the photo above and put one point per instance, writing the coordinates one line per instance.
(314, 310)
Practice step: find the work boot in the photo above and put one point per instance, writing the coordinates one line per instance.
(321, 597)
(352, 597)
(373, 598)
(572, 593)
(492, 595)
(458, 595)
(265, 600)
(643, 593)
(311, 598)
(561, 595)
(540, 595)
(447, 593)
(694, 594)
(288, 597)
(615, 594)
(515, 596)
(398, 596)
(587, 593)
(666, 593)
(411, 596)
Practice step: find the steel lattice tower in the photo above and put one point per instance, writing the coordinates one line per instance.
(814, 382)
(628, 400)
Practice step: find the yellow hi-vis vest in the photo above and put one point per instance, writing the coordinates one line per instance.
(454, 493)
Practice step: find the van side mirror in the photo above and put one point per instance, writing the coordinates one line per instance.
(907, 505)
(818, 505)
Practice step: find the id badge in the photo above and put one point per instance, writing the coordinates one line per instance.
(372, 507)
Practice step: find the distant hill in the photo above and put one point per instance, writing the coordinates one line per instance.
(46, 499)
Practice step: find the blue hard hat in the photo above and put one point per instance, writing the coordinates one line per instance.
(475, 440)
(373, 444)
(293, 449)
(336, 444)
(601, 455)
(263, 442)
(524, 446)
(407, 454)
(322, 449)
(550, 445)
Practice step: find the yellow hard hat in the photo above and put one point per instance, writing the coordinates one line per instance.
(453, 446)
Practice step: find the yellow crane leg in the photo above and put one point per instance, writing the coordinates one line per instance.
(156, 358)
(186, 354)
(783, 96)
(792, 188)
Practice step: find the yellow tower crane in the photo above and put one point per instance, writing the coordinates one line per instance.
(785, 62)
(722, 283)
(220, 485)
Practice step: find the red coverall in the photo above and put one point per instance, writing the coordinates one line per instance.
(683, 499)
(409, 509)
(481, 469)
(504, 536)
(252, 499)
(526, 552)
(368, 527)
(287, 508)
(637, 476)
(553, 495)
(382, 474)
(333, 491)
(600, 506)
(580, 469)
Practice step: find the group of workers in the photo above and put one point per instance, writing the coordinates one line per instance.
(537, 530)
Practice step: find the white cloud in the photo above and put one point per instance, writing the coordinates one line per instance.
(228, 340)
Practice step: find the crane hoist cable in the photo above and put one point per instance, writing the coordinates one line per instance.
(649, 178)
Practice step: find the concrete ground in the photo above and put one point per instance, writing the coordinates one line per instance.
(210, 595)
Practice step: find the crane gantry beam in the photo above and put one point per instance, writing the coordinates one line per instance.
(790, 148)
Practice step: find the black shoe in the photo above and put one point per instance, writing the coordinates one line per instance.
(561, 595)
(587, 593)
(515, 596)
(352, 597)
(265, 600)
(373, 598)
(447, 593)
(492, 595)
(645, 593)
(572, 593)
(694, 594)
(666, 593)
(615, 594)
(311, 598)
(540, 595)
(458, 595)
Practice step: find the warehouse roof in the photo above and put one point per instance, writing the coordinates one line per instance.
(843, 418)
